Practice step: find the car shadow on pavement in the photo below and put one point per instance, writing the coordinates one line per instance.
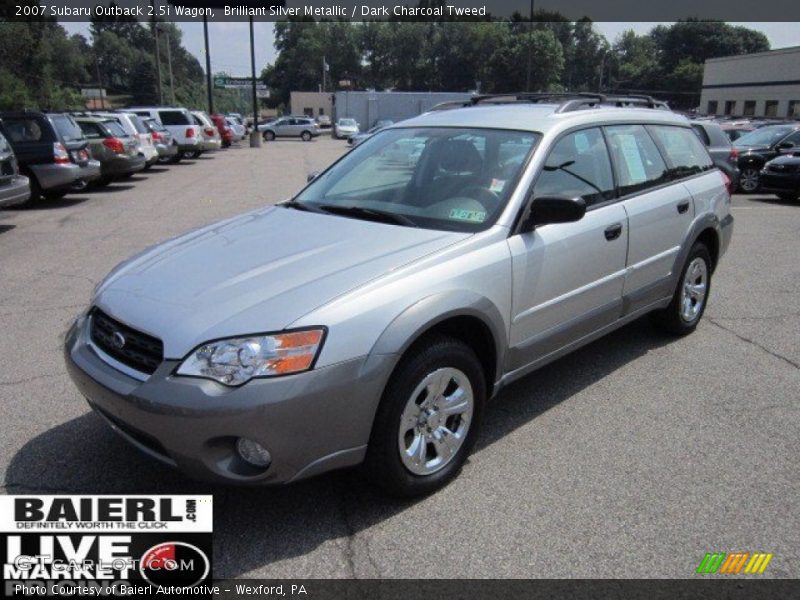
(46, 204)
(775, 200)
(255, 527)
(111, 188)
(4, 228)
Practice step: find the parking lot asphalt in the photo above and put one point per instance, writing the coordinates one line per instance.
(632, 457)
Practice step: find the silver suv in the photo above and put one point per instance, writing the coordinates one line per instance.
(369, 319)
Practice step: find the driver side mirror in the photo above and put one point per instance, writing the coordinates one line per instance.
(312, 176)
(785, 145)
(554, 209)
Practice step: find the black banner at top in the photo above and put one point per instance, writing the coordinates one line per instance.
(409, 10)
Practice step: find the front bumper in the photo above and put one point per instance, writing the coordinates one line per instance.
(17, 191)
(310, 422)
(777, 183)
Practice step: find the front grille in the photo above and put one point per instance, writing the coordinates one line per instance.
(135, 349)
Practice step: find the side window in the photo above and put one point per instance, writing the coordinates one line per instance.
(636, 157)
(794, 138)
(25, 130)
(578, 165)
(685, 154)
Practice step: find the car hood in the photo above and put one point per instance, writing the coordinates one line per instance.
(258, 272)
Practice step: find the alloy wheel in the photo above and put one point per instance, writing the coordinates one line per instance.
(695, 286)
(749, 180)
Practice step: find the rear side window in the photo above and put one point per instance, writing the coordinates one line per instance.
(702, 134)
(637, 159)
(115, 129)
(26, 129)
(578, 165)
(174, 117)
(67, 128)
(685, 153)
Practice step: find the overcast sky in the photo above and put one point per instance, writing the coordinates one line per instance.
(230, 42)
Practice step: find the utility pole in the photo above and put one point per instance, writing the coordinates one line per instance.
(530, 49)
(255, 138)
(208, 68)
(324, 67)
(158, 54)
(99, 82)
(169, 60)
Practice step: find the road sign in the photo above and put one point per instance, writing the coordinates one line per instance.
(230, 83)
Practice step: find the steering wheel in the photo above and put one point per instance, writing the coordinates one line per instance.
(488, 199)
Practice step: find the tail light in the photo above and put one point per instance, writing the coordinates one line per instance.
(728, 183)
(209, 131)
(60, 154)
(190, 132)
(156, 136)
(115, 145)
(734, 155)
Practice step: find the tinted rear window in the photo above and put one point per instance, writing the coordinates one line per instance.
(91, 130)
(67, 128)
(174, 117)
(26, 129)
(154, 125)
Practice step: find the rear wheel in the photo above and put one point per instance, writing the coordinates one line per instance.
(750, 180)
(428, 419)
(689, 302)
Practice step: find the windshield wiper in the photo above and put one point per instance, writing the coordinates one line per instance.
(297, 205)
(373, 214)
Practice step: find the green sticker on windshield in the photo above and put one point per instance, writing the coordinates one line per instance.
(475, 216)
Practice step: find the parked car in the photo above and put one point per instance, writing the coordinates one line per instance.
(117, 151)
(344, 128)
(760, 146)
(166, 147)
(179, 123)
(51, 151)
(303, 127)
(238, 119)
(239, 131)
(225, 132)
(370, 318)
(781, 176)
(719, 146)
(356, 139)
(135, 128)
(211, 137)
(14, 188)
(324, 121)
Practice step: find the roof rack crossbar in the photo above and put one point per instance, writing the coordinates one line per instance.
(567, 101)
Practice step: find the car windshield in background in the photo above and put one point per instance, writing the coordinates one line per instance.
(437, 178)
(115, 128)
(67, 127)
(765, 136)
(347, 122)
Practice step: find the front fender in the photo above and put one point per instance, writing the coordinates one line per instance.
(426, 313)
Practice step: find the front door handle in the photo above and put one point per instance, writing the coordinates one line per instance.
(683, 207)
(612, 232)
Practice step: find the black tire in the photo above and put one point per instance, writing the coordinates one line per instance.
(176, 159)
(269, 136)
(789, 197)
(383, 465)
(669, 319)
(55, 195)
(749, 181)
(193, 154)
(36, 192)
(306, 135)
(102, 182)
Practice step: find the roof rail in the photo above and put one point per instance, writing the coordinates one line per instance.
(567, 101)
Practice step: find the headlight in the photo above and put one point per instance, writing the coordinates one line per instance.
(238, 360)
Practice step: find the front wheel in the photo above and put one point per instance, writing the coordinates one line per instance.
(428, 419)
(306, 136)
(750, 180)
(269, 136)
(689, 302)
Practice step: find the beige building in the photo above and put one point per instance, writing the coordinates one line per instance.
(765, 84)
(312, 104)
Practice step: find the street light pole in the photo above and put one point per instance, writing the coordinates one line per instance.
(255, 139)
(530, 49)
(158, 54)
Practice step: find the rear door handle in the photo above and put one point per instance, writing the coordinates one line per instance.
(683, 207)
(612, 232)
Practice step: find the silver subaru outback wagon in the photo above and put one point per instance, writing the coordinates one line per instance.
(368, 320)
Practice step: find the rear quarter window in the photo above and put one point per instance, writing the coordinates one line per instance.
(685, 153)
(702, 134)
(67, 128)
(174, 117)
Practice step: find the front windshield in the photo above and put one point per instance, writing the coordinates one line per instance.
(766, 136)
(434, 177)
(347, 122)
